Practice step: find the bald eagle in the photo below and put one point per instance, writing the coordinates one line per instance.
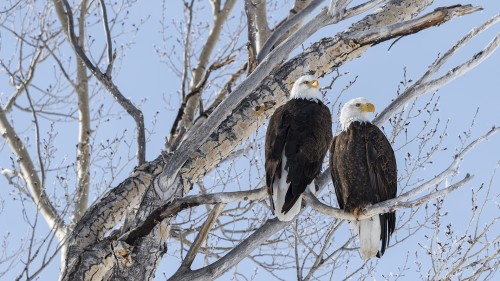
(364, 172)
(297, 139)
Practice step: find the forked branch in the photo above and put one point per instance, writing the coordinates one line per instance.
(108, 83)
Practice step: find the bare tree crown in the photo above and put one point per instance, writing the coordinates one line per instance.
(101, 181)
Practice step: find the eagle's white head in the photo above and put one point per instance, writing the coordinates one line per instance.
(307, 88)
(356, 109)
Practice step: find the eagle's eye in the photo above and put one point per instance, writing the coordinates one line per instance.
(306, 82)
(358, 104)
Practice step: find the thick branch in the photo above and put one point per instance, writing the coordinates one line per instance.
(104, 215)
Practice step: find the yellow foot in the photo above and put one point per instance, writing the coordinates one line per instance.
(356, 212)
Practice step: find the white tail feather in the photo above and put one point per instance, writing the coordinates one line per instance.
(369, 236)
(280, 188)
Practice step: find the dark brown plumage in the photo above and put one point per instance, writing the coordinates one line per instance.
(302, 130)
(363, 168)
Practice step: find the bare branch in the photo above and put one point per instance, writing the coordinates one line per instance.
(84, 131)
(109, 43)
(452, 168)
(29, 76)
(200, 238)
(419, 89)
(30, 176)
(220, 17)
(110, 86)
(383, 207)
(170, 209)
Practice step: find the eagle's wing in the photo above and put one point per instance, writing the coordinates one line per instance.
(307, 142)
(382, 170)
(276, 135)
(335, 175)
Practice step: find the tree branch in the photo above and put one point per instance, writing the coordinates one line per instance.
(174, 207)
(220, 17)
(135, 113)
(200, 238)
(109, 42)
(382, 207)
(84, 131)
(418, 89)
(30, 176)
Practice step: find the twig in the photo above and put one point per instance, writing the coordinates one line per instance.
(109, 43)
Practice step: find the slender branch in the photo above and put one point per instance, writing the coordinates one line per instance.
(452, 168)
(134, 112)
(29, 77)
(173, 143)
(109, 43)
(170, 209)
(417, 90)
(30, 176)
(200, 238)
(84, 131)
(383, 207)
(458, 45)
(220, 17)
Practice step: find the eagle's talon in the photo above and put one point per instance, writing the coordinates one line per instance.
(356, 213)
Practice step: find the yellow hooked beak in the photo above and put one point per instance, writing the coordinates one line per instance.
(314, 84)
(368, 107)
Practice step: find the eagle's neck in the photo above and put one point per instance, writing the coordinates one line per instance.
(309, 95)
(347, 117)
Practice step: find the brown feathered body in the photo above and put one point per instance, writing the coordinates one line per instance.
(363, 168)
(297, 139)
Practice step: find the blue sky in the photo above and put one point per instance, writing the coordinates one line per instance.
(148, 82)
